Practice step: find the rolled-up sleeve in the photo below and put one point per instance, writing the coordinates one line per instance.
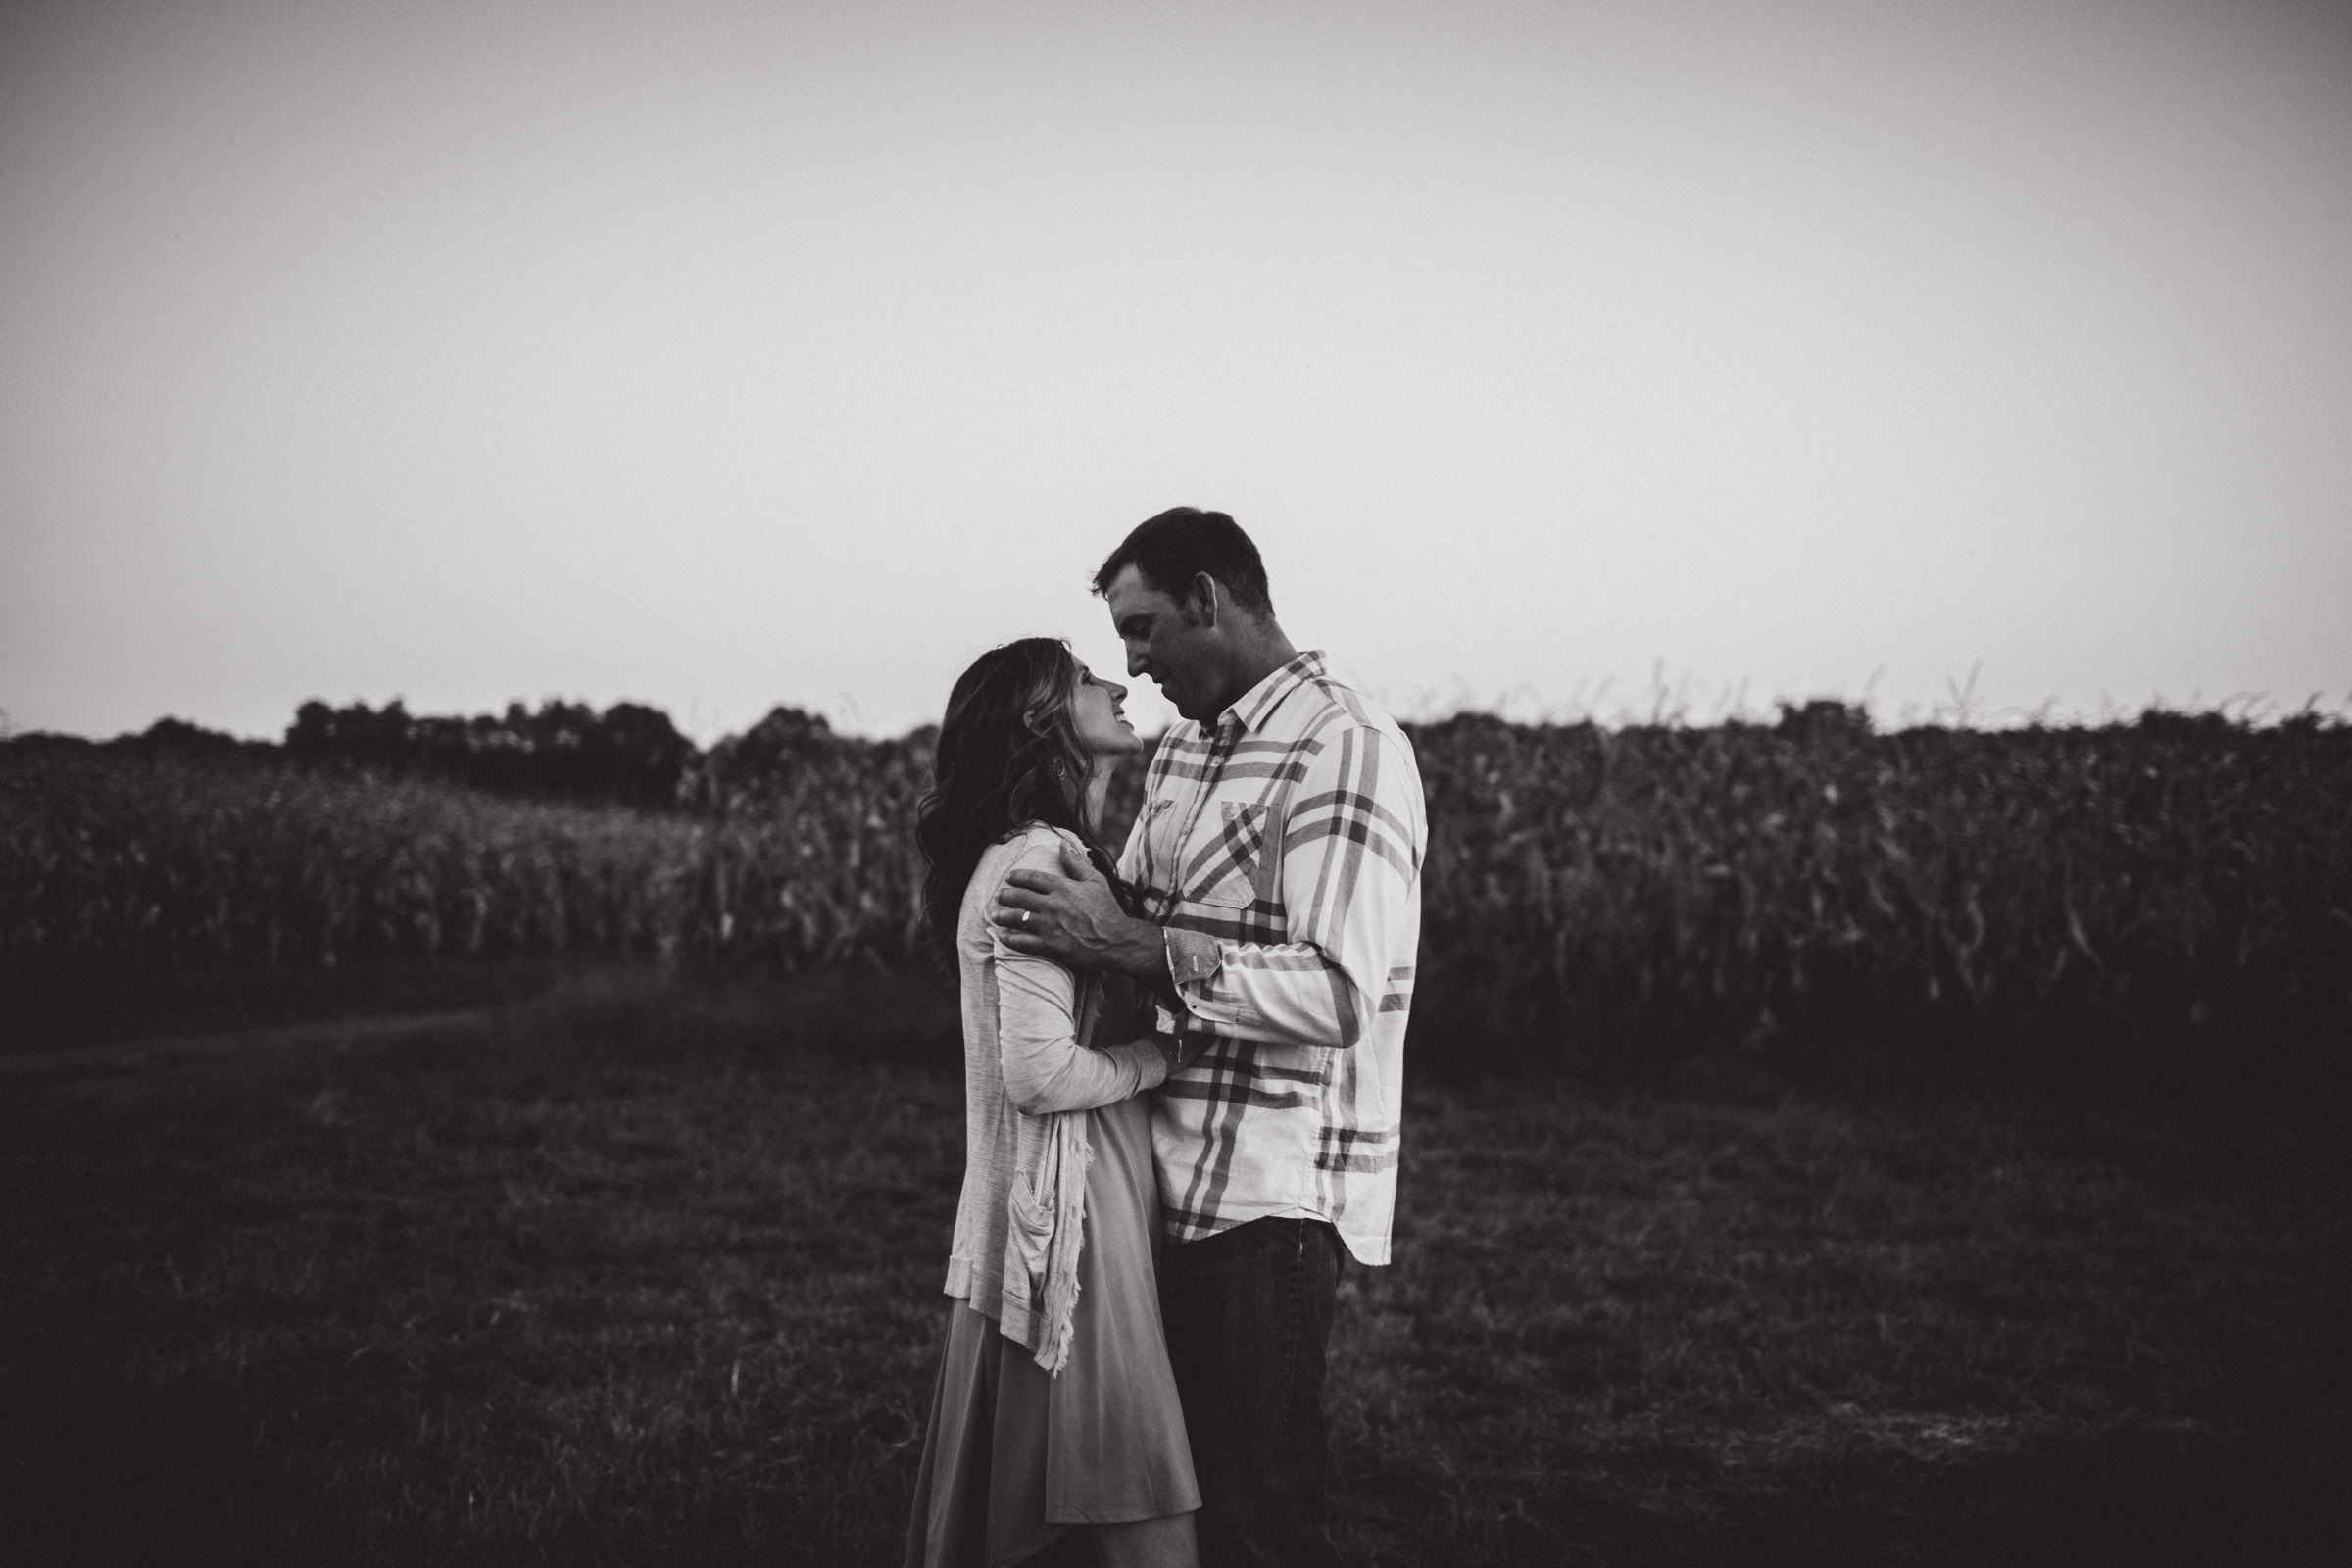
(1350, 870)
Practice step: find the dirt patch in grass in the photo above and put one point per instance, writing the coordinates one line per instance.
(648, 1274)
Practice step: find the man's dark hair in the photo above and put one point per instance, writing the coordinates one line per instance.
(1167, 550)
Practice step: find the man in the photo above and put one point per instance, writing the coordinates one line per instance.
(1278, 857)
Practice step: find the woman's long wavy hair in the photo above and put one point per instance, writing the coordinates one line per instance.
(1008, 754)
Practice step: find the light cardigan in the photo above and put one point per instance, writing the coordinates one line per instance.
(1027, 1082)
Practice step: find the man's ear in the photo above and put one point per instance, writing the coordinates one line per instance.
(1201, 605)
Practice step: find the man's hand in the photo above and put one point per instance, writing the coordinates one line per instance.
(1072, 917)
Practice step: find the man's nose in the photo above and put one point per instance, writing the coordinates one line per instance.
(1134, 660)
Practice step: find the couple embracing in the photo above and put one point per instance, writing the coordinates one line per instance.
(1181, 1075)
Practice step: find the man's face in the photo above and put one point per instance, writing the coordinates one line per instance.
(1164, 641)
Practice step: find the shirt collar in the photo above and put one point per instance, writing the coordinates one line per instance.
(1256, 706)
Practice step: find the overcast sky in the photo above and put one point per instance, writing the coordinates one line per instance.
(719, 354)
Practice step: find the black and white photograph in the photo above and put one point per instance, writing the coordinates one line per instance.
(1226, 784)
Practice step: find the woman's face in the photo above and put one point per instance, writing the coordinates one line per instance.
(1102, 729)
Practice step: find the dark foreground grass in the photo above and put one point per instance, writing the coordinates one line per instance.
(641, 1275)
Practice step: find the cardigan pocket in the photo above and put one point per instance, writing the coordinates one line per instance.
(1032, 1216)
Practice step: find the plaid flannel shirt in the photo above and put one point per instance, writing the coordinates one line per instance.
(1281, 849)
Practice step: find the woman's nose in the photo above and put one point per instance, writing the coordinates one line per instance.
(1118, 693)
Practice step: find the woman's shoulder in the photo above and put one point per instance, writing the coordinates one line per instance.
(1029, 843)
(1035, 835)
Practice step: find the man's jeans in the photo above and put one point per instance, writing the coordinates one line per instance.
(1248, 1315)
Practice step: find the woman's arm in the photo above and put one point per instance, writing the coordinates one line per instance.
(1045, 1068)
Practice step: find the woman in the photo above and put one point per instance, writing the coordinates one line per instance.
(1056, 1414)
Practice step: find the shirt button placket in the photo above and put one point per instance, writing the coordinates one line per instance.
(1221, 743)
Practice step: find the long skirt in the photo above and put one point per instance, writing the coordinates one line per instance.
(1014, 1456)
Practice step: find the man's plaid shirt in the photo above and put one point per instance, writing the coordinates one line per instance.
(1282, 851)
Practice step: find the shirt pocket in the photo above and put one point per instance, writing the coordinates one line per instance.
(1240, 862)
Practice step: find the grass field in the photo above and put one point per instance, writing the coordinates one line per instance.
(641, 1272)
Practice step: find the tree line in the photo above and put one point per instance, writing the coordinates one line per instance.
(628, 753)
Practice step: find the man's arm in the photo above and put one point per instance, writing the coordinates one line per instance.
(1350, 863)
(1044, 1069)
(1350, 860)
(1072, 917)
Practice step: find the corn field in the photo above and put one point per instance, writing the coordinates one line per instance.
(163, 859)
(1654, 889)
(2183, 881)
